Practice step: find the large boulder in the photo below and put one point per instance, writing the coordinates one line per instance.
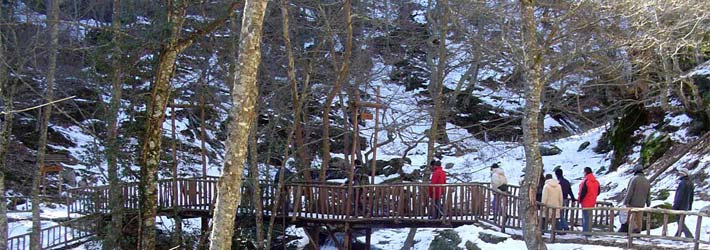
(491, 238)
(446, 240)
(549, 150)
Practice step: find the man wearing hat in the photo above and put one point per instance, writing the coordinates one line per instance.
(683, 200)
(638, 194)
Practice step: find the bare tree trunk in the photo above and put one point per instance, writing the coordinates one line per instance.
(150, 153)
(160, 95)
(277, 194)
(438, 78)
(244, 95)
(113, 238)
(342, 75)
(53, 23)
(533, 160)
(297, 114)
(6, 91)
(256, 193)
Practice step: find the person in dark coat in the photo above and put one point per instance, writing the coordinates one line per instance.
(540, 185)
(285, 202)
(684, 200)
(567, 197)
(638, 194)
(438, 176)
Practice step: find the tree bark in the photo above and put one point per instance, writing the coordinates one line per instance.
(532, 59)
(438, 78)
(53, 24)
(342, 74)
(300, 147)
(256, 193)
(160, 95)
(113, 238)
(5, 132)
(243, 113)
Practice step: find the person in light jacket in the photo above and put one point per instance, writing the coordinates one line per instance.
(638, 194)
(684, 200)
(552, 198)
(498, 182)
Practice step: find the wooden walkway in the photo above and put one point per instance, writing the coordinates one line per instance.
(365, 207)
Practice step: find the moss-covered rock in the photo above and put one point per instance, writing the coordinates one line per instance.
(657, 219)
(620, 137)
(661, 195)
(654, 147)
(471, 246)
(446, 240)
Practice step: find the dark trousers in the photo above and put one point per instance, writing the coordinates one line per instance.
(683, 228)
(437, 210)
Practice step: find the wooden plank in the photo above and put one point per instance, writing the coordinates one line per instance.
(698, 226)
(664, 231)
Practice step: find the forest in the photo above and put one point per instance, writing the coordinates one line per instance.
(302, 124)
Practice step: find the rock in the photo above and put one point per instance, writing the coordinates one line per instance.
(705, 209)
(549, 150)
(654, 147)
(583, 146)
(446, 240)
(389, 170)
(471, 246)
(490, 238)
(449, 166)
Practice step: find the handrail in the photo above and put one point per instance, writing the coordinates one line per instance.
(461, 203)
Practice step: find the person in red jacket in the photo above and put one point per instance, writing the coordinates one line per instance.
(438, 176)
(588, 191)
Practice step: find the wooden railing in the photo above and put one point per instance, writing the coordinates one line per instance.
(63, 235)
(186, 194)
(391, 205)
(655, 224)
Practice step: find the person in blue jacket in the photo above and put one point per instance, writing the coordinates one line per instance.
(567, 197)
(684, 200)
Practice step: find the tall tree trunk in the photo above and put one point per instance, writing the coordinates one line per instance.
(342, 75)
(53, 24)
(243, 113)
(438, 79)
(6, 91)
(150, 153)
(300, 147)
(113, 238)
(160, 95)
(532, 58)
(256, 193)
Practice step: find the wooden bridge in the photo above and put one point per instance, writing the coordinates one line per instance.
(366, 207)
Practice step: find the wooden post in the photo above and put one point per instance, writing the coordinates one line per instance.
(368, 232)
(696, 241)
(374, 141)
(203, 131)
(629, 232)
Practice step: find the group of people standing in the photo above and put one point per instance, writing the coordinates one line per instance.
(558, 193)
(638, 195)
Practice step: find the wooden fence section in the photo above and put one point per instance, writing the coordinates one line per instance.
(387, 205)
(61, 236)
(656, 224)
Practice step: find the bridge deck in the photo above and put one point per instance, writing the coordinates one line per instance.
(381, 206)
